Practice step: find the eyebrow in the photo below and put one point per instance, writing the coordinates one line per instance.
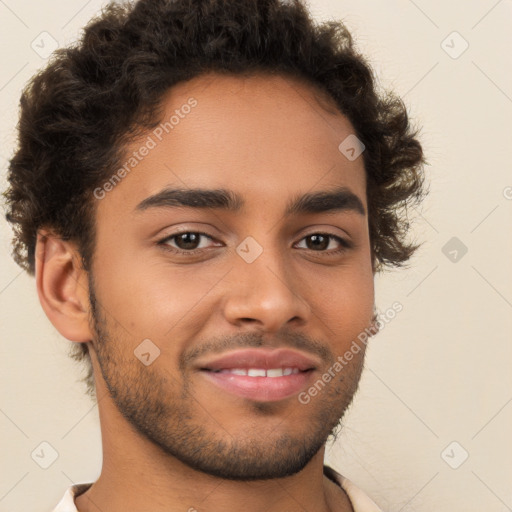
(337, 200)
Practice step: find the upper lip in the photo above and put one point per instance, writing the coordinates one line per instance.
(261, 358)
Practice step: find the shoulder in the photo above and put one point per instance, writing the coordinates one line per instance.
(67, 503)
(360, 501)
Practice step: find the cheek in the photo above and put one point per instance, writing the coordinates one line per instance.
(343, 301)
(151, 299)
(350, 313)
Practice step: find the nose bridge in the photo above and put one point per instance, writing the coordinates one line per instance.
(262, 286)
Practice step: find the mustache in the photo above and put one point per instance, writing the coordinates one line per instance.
(254, 339)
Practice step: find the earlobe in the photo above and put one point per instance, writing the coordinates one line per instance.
(62, 286)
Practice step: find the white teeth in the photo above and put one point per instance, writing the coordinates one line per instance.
(256, 372)
(261, 372)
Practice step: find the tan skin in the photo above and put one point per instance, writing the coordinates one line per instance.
(269, 140)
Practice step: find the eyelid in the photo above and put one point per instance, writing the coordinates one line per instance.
(343, 242)
(180, 232)
(347, 244)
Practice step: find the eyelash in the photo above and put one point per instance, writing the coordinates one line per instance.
(345, 244)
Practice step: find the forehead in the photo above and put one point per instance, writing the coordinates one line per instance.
(267, 137)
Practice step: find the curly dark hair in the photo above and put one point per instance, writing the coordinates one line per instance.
(93, 98)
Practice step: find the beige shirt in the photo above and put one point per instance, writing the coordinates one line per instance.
(359, 500)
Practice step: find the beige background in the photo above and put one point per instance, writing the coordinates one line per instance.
(438, 373)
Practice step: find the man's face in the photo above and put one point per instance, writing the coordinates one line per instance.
(260, 280)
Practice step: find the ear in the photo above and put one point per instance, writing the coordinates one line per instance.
(62, 286)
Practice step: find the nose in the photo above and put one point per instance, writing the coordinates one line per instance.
(265, 293)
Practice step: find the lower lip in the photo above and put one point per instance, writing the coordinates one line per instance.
(261, 389)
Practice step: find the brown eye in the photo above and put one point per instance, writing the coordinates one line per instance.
(319, 242)
(187, 241)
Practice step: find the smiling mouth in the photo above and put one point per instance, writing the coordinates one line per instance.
(262, 374)
(259, 384)
(259, 372)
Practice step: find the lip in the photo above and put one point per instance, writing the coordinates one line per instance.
(262, 389)
(261, 358)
